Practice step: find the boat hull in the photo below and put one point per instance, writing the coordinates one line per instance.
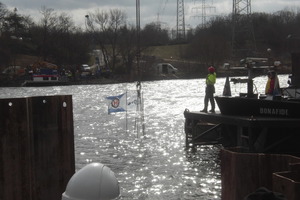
(258, 107)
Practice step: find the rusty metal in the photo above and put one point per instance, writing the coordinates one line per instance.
(288, 184)
(37, 147)
(243, 173)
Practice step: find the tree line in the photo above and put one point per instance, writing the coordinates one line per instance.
(214, 44)
(56, 38)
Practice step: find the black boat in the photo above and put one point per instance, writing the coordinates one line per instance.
(286, 105)
(243, 106)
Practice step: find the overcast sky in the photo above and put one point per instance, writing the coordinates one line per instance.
(151, 10)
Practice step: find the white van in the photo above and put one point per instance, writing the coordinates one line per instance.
(165, 68)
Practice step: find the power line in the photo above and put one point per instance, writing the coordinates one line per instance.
(162, 8)
(203, 11)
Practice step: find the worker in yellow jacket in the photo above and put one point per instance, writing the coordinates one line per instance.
(210, 89)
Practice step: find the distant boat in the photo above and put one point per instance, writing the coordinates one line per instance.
(46, 77)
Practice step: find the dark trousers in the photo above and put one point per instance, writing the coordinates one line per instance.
(209, 96)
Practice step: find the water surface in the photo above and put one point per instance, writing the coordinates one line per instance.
(155, 165)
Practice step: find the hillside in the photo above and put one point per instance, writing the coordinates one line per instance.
(166, 51)
(25, 60)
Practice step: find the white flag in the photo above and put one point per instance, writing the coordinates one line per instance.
(132, 101)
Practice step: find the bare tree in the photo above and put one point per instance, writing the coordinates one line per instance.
(106, 32)
(62, 34)
(3, 12)
(154, 34)
(59, 40)
(48, 23)
(14, 27)
(128, 48)
(4, 54)
(117, 20)
(65, 23)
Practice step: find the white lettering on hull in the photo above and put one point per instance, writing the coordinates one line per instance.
(274, 111)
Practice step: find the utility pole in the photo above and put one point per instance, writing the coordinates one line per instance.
(180, 20)
(138, 38)
(140, 107)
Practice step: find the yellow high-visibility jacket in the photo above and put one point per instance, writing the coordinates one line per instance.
(211, 78)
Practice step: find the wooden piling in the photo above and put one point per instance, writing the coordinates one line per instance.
(37, 147)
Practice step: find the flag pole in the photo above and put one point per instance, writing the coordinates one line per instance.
(142, 107)
(126, 114)
(138, 106)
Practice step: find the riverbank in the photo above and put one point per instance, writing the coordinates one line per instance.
(184, 72)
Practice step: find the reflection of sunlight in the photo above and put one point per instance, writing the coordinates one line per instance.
(89, 138)
(156, 189)
(154, 180)
(204, 190)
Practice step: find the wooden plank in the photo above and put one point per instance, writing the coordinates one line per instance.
(16, 168)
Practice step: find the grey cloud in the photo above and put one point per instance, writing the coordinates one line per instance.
(150, 9)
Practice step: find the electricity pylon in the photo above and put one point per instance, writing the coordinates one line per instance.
(206, 9)
(243, 40)
(180, 20)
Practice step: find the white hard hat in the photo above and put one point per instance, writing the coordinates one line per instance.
(93, 182)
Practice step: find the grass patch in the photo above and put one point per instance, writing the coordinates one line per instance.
(167, 51)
